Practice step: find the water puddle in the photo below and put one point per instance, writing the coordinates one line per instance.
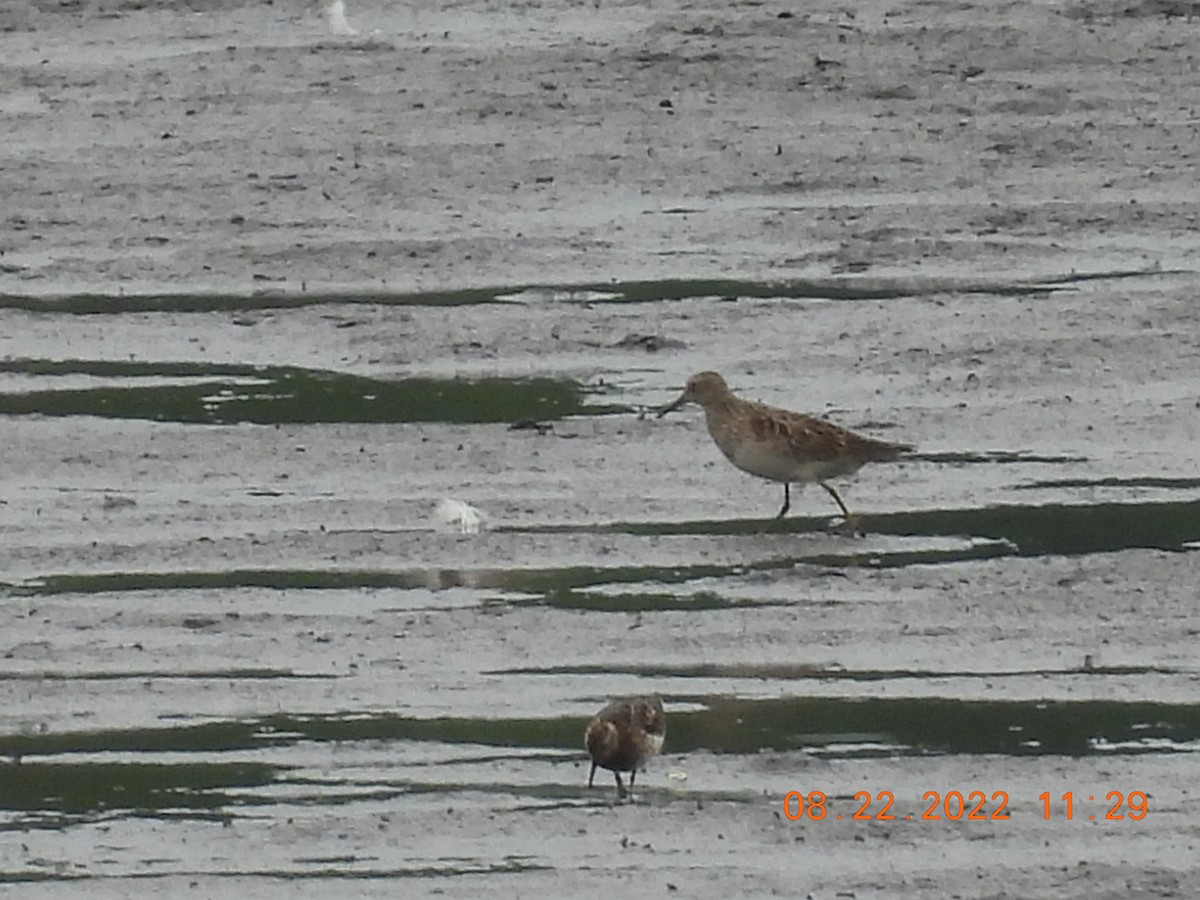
(992, 457)
(48, 780)
(1035, 530)
(843, 288)
(549, 582)
(559, 586)
(811, 672)
(932, 725)
(640, 602)
(74, 789)
(1177, 484)
(987, 533)
(226, 394)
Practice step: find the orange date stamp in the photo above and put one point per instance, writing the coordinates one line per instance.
(956, 806)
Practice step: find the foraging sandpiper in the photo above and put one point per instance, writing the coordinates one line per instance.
(778, 444)
(624, 736)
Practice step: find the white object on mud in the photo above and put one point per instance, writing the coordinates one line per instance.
(459, 515)
(337, 20)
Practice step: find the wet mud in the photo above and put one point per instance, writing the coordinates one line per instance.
(268, 294)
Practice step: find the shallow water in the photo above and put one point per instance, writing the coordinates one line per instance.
(240, 656)
(319, 285)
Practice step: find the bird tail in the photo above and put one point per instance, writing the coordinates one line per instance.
(882, 451)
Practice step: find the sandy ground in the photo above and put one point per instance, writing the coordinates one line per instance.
(243, 257)
(233, 146)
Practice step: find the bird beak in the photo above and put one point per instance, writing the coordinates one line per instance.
(671, 407)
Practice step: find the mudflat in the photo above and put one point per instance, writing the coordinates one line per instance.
(271, 288)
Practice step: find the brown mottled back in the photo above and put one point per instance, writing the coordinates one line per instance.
(624, 736)
(779, 444)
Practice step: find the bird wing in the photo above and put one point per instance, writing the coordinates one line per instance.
(812, 438)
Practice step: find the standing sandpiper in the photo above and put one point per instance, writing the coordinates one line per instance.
(778, 444)
(624, 736)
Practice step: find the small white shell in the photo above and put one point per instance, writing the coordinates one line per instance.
(337, 20)
(460, 516)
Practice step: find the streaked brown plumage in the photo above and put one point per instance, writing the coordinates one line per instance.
(778, 444)
(624, 736)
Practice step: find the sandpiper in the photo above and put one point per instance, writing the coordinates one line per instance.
(778, 444)
(624, 736)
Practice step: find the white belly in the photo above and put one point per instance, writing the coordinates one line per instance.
(758, 459)
(655, 744)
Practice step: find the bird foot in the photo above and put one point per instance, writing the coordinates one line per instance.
(851, 526)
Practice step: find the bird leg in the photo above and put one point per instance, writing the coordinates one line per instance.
(834, 495)
(622, 793)
(592, 774)
(851, 519)
(787, 500)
